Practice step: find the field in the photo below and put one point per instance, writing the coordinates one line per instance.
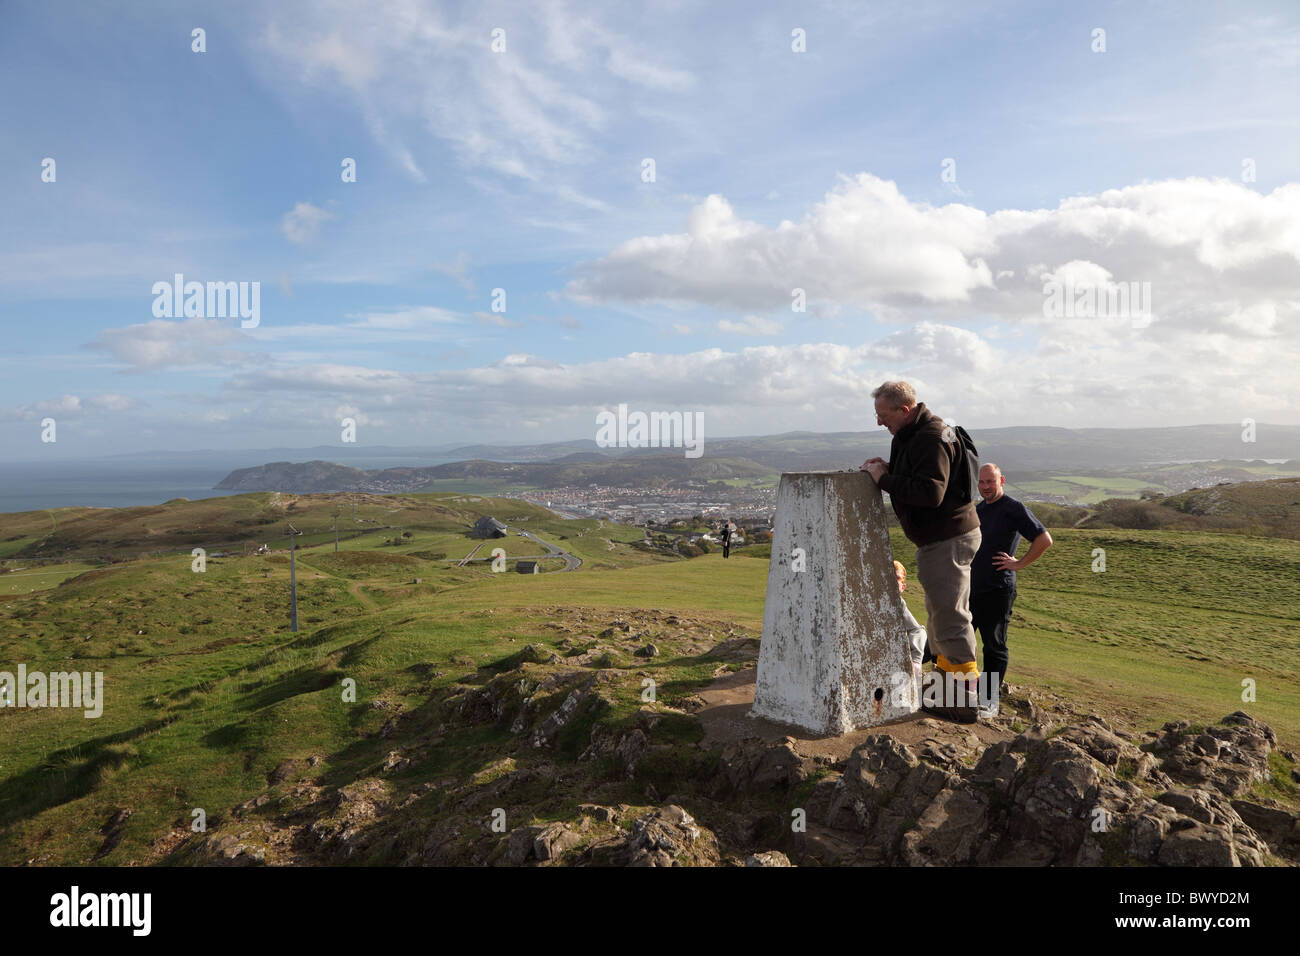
(207, 692)
(40, 577)
(1087, 489)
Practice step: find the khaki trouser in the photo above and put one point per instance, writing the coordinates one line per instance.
(944, 571)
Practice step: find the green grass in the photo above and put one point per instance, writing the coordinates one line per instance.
(16, 544)
(1115, 483)
(476, 485)
(1279, 786)
(1169, 631)
(764, 482)
(1087, 489)
(25, 580)
(238, 520)
(1269, 470)
(206, 690)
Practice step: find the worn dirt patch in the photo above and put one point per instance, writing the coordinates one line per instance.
(728, 700)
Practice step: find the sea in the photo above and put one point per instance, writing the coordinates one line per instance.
(32, 486)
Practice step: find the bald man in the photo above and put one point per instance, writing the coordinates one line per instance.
(1003, 520)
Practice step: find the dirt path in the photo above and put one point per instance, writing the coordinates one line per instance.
(726, 719)
(354, 587)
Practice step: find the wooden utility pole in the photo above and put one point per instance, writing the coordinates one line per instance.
(293, 581)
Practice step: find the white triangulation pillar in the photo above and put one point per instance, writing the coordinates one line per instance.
(834, 655)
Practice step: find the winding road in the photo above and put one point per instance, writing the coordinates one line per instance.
(571, 562)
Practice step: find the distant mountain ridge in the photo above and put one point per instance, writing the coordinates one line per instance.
(324, 476)
(1021, 450)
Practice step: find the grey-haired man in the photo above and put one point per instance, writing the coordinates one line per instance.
(922, 480)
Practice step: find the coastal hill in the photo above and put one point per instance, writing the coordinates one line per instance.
(1061, 465)
(578, 469)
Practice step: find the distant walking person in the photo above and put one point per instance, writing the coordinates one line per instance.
(1003, 520)
(726, 539)
(938, 519)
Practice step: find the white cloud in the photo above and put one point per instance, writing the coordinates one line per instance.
(164, 343)
(112, 402)
(750, 325)
(570, 227)
(353, 63)
(414, 324)
(412, 70)
(865, 242)
(301, 223)
(65, 405)
(929, 345)
(1259, 319)
(497, 319)
(458, 270)
(1069, 373)
(644, 73)
(74, 407)
(1226, 311)
(1217, 255)
(569, 194)
(415, 318)
(324, 378)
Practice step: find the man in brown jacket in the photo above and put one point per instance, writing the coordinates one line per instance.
(922, 478)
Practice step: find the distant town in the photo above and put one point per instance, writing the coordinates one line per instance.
(1076, 468)
(714, 500)
(639, 506)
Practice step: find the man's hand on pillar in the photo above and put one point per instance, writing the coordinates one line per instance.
(875, 467)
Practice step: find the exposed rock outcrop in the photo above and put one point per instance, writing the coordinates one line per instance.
(586, 780)
(667, 836)
(1081, 796)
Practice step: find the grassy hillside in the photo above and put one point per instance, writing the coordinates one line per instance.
(1086, 489)
(660, 469)
(1252, 507)
(209, 696)
(253, 519)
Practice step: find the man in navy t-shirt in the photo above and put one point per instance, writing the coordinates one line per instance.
(1003, 520)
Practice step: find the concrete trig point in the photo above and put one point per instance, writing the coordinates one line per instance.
(834, 655)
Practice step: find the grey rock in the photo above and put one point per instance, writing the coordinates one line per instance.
(554, 839)
(753, 765)
(601, 813)
(768, 858)
(1076, 798)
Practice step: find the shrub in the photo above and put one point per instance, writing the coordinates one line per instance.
(1139, 515)
(1056, 516)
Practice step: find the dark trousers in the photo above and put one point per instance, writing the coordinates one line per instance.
(990, 615)
(726, 549)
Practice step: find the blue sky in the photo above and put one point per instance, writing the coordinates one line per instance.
(921, 170)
